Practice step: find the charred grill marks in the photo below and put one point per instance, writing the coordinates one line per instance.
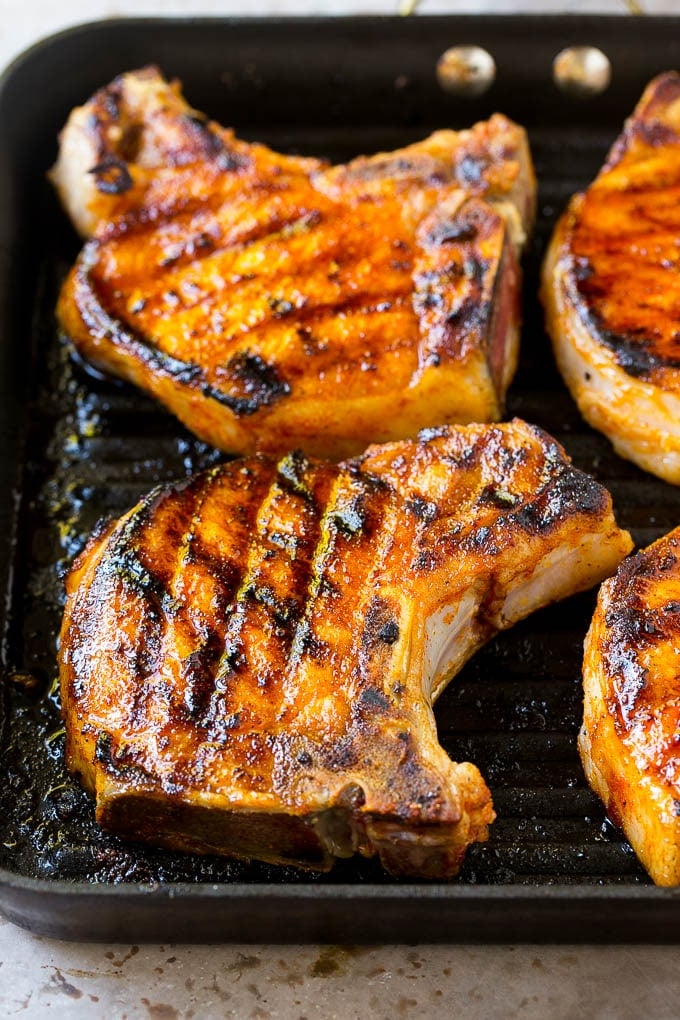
(223, 570)
(122, 560)
(423, 509)
(231, 660)
(285, 694)
(277, 586)
(568, 492)
(350, 519)
(457, 231)
(454, 283)
(256, 385)
(199, 667)
(381, 626)
(112, 176)
(209, 144)
(126, 566)
(285, 612)
(496, 495)
(636, 355)
(634, 629)
(373, 700)
(636, 352)
(198, 673)
(291, 470)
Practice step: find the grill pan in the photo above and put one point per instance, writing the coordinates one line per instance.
(74, 447)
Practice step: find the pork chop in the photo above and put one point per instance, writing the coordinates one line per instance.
(249, 657)
(631, 722)
(611, 288)
(272, 302)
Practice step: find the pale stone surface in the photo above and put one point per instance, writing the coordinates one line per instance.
(42, 978)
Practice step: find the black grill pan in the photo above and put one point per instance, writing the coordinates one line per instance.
(73, 447)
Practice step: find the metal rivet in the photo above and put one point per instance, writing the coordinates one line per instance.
(466, 70)
(582, 70)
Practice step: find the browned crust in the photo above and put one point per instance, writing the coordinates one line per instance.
(421, 341)
(641, 615)
(611, 288)
(629, 737)
(246, 290)
(250, 642)
(654, 124)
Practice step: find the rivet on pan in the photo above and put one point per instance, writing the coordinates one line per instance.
(466, 70)
(582, 70)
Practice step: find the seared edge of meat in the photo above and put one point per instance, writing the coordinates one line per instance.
(641, 420)
(133, 131)
(248, 658)
(439, 344)
(629, 738)
(654, 123)
(610, 288)
(392, 280)
(140, 125)
(490, 160)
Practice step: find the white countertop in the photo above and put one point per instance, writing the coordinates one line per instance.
(40, 977)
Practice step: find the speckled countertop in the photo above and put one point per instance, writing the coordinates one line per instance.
(40, 977)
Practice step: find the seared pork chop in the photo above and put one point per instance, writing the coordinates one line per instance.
(249, 657)
(631, 724)
(272, 302)
(611, 288)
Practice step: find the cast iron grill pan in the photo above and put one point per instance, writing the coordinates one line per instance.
(92, 447)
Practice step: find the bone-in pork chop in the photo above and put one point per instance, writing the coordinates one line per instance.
(249, 657)
(272, 302)
(631, 723)
(611, 287)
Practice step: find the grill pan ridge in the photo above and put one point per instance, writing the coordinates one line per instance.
(76, 447)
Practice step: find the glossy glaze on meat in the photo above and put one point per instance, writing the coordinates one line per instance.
(273, 302)
(249, 657)
(611, 287)
(631, 728)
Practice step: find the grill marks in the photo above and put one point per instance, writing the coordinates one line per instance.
(454, 281)
(498, 494)
(165, 285)
(269, 602)
(203, 583)
(641, 636)
(256, 384)
(218, 649)
(625, 264)
(356, 534)
(291, 646)
(130, 600)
